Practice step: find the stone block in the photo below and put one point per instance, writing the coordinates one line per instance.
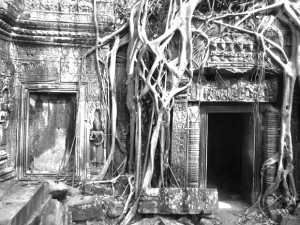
(297, 211)
(21, 200)
(86, 208)
(186, 221)
(98, 189)
(178, 201)
(53, 213)
(289, 220)
(114, 206)
(205, 221)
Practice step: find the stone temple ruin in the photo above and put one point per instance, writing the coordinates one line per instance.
(55, 131)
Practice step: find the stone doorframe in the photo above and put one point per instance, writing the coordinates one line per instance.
(257, 140)
(189, 118)
(82, 134)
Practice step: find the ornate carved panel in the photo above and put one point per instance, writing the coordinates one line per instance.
(55, 64)
(234, 90)
(193, 145)
(69, 11)
(179, 142)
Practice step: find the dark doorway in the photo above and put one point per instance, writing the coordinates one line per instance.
(230, 154)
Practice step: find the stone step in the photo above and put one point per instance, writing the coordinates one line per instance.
(21, 200)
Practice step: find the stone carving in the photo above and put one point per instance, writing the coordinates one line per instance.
(234, 53)
(37, 70)
(96, 138)
(52, 64)
(69, 11)
(239, 90)
(193, 146)
(179, 142)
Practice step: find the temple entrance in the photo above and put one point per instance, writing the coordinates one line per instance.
(230, 154)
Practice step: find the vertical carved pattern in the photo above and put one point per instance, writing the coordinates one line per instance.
(193, 146)
(270, 144)
(179, 142)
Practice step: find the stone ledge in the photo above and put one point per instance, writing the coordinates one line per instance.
(178, 201)
(20, 201)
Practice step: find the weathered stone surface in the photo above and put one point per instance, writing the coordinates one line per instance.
(20, 201)
(95, 223)
(289, 220)
(74, 191)
(178, 201)
(297, 211)
(186, 221)
(86, 208)
(53, 213)
(157, 220)
(205, 221)
(98, 189)
(114, 206)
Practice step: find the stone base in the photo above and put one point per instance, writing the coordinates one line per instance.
(178, 201)
(289, 220)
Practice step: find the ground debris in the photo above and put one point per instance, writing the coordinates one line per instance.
(255, 218)
(158, 220)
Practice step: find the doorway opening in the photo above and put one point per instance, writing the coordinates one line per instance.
(51, 133)
(230, 154)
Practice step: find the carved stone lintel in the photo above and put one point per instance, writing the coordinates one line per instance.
(234, 90)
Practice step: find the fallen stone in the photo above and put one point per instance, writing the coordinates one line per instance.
(74, 191)
(277, 213)
(178, 201)
(186, 221)
(98, 189)
(157, 220)
(297, 211)
(57, 190)
(114, 206)
(95, 223)
(205, 221)
(209, 216)
(146, 221)
(289, 220)
(168, 221)
(86, 208)
(53, 213)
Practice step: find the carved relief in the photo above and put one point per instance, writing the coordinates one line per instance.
(193, 146)
(179, 142)
(35, 64)
(240, 90)
(237, 54)
(71, 11)
(37, 70)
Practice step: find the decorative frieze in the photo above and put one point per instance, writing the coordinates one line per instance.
(55, 64)
(69, 11)
(234, 90)
(234, 54)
